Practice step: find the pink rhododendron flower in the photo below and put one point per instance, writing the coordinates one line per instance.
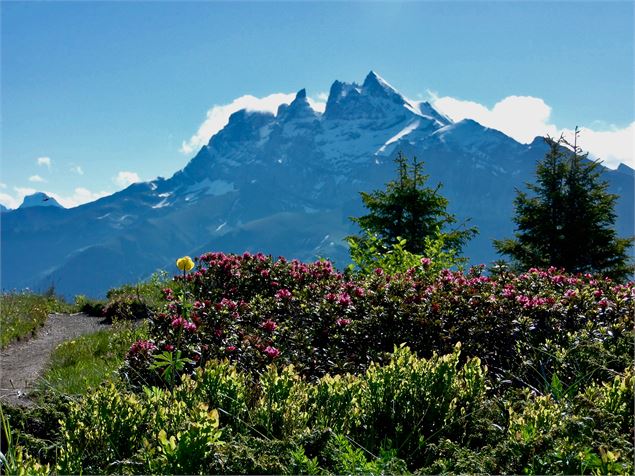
(344, 299)
(283, 294)
(141, 347)
(343, 322)
(269, 325)
(230, 348)
(271, 352)
(178, 322)
(426, 262)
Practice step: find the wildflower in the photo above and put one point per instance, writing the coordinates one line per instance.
(344, 299)
(141, 347)
(269, 325)
(343, 322)
(271, 352)
(283, 294)
(379, 271)
(185, 263)
(426, 262)
(178, 322)
(570, 293)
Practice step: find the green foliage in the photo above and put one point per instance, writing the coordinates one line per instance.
(170, 365)
(146, 292)
(117, 431)
(126, 307)
(410, 402)
(221, 386)
(91, 307)
(409, 210)
(281, 410)
(569, 220)
(22, 314)
(370, 253)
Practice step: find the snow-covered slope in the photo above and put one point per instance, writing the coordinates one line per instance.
(284, 184)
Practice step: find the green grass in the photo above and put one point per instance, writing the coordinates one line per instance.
(21, 314)
(83, 363)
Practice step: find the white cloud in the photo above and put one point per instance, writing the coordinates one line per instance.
(318, 103)
(8, 201)
(79, 196)
(525, 117)
(44, 161)
(36, 178)
(123, 178)
(77, 170)
(218, 115)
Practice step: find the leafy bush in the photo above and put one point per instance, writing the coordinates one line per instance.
(254, 310)
(88, 306)
(103, 432)
(126, 308)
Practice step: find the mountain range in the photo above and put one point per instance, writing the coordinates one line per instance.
(284, 184)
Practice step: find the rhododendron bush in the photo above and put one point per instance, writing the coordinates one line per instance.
(255, 310)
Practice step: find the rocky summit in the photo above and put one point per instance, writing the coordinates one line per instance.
(284, 184)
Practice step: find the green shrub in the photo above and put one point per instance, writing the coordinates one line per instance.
(281, 409)
(126, 308)
(89, 306)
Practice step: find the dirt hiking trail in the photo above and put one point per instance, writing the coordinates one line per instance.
(21, 363)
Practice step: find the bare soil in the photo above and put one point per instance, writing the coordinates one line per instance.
(22, 363)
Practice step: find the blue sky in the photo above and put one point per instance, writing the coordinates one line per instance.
(96, 95)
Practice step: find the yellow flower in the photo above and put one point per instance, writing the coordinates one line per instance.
(185, 263)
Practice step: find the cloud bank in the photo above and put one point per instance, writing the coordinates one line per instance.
(525, 117)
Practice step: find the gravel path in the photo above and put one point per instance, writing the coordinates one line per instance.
(21, 363)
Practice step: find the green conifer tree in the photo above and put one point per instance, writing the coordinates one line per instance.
(409, 210)
(568, 221)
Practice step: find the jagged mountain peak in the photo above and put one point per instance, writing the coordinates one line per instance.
(299, 109)
(375, 85)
